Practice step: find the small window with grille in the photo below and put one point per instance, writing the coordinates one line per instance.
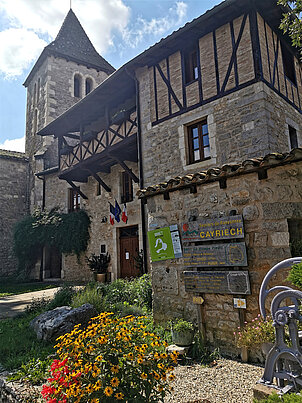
(199, 143)
(74, 200)
(127, 188)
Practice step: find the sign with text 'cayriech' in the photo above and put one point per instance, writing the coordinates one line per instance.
(230, 227)
(217, 282)
(215, 255)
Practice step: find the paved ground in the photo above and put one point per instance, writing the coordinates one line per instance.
(14, 304)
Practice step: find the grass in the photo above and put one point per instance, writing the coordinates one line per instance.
(19, 344)
(7, 288)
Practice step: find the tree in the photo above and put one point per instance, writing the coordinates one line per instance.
(291, 22)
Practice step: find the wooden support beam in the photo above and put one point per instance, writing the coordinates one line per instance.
(75, 187)
(72, 136)
(101, 182)
(126, 168)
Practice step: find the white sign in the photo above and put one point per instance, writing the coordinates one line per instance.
(127, 255)
(239, 303)
(176, 241)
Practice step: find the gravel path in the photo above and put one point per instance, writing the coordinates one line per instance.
(227, 381)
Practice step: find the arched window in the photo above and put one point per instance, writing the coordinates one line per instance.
(35, 125)
(77, 82)
(35, 93)
(38, 91)
(88, 85)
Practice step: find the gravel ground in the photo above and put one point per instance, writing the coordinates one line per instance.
(227, 381)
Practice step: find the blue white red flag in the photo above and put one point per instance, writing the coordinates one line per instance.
(117, 212)
(111, 214)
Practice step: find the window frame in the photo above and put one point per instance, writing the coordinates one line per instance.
(190, 63)
(288, 61)
(200, 136)
(90, 82)
(74, 200)
(293, 137)
(77, 86)
(127, 188)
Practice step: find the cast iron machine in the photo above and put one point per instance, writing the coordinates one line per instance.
(284, 360)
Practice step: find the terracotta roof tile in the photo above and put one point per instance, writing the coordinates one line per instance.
(227, 170)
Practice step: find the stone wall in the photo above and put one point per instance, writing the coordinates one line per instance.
(266, 205)
(251, 122)
(97, 206)
(14, 205)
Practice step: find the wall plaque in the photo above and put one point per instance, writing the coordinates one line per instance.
(164, 243)
(230, 227)
(215, 255)
(218, 282)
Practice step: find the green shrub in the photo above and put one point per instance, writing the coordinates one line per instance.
(181, 325)
(89, 295)
(255, 333)
(287, 398)
(295, 275)
(35, 371)
(124, 309)
(62, 297)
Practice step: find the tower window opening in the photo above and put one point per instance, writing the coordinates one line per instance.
(77, 86)
(88, 86)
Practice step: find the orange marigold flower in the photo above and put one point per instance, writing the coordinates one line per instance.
(119, 396)
(108, 391)
(114, 369)
(114, 382)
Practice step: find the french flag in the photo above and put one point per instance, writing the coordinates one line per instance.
(112, 214)
(124, 214)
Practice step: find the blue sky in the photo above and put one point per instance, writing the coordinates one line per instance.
(119, 30)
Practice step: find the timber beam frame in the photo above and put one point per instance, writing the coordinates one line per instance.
(100, 181)
(126, 168)
(75, 187)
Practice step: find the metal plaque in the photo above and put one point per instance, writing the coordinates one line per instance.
(215, 255)
(217, 282)
(230, 227)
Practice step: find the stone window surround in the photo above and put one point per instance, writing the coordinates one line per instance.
(295, 125)
(184, 122)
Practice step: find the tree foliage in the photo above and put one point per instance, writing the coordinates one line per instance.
(69, 233)
(291, 22)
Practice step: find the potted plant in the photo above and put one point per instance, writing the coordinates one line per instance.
(182, 332)
(98, 264)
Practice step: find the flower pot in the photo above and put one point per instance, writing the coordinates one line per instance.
(101, 278)
(182, 338)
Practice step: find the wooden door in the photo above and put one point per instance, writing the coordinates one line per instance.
(53, 262)
(128, 251)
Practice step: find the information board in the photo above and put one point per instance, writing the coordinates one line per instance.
(230, 227)
(217, 282)
(164, 243)
(215, 255)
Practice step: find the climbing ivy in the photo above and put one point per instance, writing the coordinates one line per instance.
(69, 233)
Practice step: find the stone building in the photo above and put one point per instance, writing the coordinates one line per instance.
(202, 129)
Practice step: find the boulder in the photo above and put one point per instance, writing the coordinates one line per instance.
(52, 324)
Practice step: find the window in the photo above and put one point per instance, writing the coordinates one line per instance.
(295, 236)
(199, 144)
(77, 82)
(88, 85)
(191, 66)
(288, 64)
(127, 188)
(74, 202)
(38, 90)
(98, 189)
(293, 139)
(35, 125)
(35, 93)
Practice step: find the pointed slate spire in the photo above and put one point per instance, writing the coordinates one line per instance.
(72, 43)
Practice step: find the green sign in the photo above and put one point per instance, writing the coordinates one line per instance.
(161, 245)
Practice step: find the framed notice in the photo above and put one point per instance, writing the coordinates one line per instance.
(230, 227)
(217, 282)
(164, 243)
(215, 255)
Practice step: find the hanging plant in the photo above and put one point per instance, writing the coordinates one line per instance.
(69, 233)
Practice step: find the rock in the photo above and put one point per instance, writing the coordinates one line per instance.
(52, 324)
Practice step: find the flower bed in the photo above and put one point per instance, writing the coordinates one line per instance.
(112, 359)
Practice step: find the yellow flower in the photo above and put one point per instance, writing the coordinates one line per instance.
(89, 389)
(114, 382)
(108, 391)
(171, 377)
(160, 388)
(130, 356)
(114, 369)
(156, 376)
(140, 360)
(119, 396)
(144, 375)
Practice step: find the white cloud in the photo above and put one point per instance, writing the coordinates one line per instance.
(30, 22)
(18, 48)
(14, 145)
(156, 26)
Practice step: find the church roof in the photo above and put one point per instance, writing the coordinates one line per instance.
(72, 43)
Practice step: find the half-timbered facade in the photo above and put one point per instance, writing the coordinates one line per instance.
(201, 107)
